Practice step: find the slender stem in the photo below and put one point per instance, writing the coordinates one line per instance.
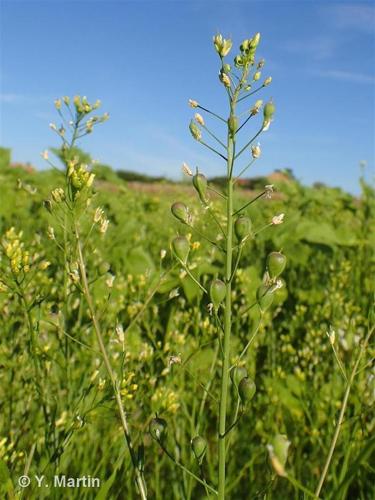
(227, 320)
(214, 136)
(213, 150)
(251, 93)
(249, 203)
(182, 467)
(342, 413)
(212, 113)
(81, 263)
(244, 170)
(248, 143)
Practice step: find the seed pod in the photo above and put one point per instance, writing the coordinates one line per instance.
(257, 76)
(181, 248)
(226, 68)
(276, 263)
(237, 374)
(180, 211)
(200, 184)
(268, 110)
(217, 292)
(195, 131)
(199, 447)
(158, 429)
(246, 389)
(104, 267)
(265, 297)
(232, 124)
(242, 227)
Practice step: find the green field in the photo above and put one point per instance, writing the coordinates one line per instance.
(57, 409)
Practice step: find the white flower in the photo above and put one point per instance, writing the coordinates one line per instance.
(268, 190)
(53, 126)
(104, 226)
(174, 360)
(186, 170)
(256, 151)
(278, 219)
(99, 214)
(193, 104)
(199, 119)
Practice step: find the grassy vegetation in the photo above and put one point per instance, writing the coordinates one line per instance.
(119, 361)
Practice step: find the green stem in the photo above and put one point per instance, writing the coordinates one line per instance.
(342, 413)
(227, 320)
(81, 263)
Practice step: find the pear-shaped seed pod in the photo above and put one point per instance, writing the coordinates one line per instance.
(265, 297)
(237, 374)
(246, 389)
(217, 292)
(199, 447)
(242, 227)
(200, 184)
(180, 211)
(232, 124)
(158, 428)
(276, 263)
(268, 110)
(181, 248)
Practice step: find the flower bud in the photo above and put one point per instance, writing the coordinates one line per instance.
(158, 429)
(255, 109)
(257, 76)
(57, 104)
(226, 68)
(246, 389)
(199, 119)
(276, 263)
(254, 42)
(242, 227)
(224, 78)
(256, 151)
(267, 81)
(237, 374)
(232, 124)
(217, 292)
(265, 297)
(180, 211)
(199, 447)
(260, 64)
(181, 248)
(200, 184)
(195, 131)
(238, 61)
(244, 47)
(193, 104)
(222, 45)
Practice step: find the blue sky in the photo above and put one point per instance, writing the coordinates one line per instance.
(145, 59)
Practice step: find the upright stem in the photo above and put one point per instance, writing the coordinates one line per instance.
(227, 316)
(342, 413)
(124, 422)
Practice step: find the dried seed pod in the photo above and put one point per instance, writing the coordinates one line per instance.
(158, 429)
(237, 374)
(276, 263)
(180, 211)
(246, 389)
(242, 227)
(181, 248)
(265, 297)
(200, 184)
(217, 292)
(199, 447)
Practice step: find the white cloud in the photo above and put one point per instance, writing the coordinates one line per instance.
(347, 76)
(359, 16)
